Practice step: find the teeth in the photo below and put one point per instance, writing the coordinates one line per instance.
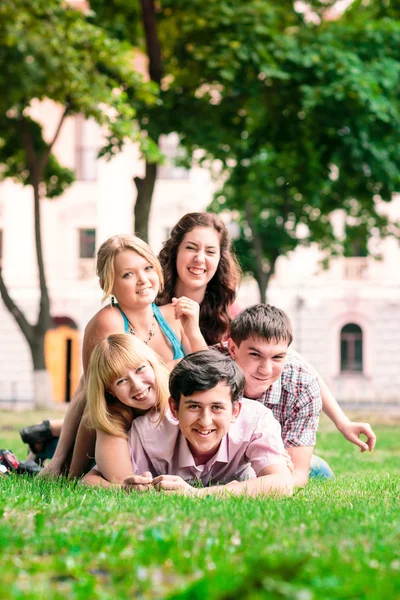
(204, 432)
(196, 271)
(143, 291)
(142, 396)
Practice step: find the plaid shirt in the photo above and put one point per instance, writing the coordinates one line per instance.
(295, 401)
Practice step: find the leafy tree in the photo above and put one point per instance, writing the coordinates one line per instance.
(300, 113)
(48, 50)
(320, 133)
(202, 55)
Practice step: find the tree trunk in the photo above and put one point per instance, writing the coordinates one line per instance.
(35, 334)
(41, 378)
(42, 386)
(262, 276)
(145, 186)
(145, 189)
(262, 286)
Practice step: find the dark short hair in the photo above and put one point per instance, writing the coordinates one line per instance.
(262, 321)
(202, 371)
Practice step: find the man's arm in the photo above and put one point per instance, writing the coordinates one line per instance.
(138, 483)
(349, 429)
(275, 480)
(59, 462)
(300, 427)
(301, 457)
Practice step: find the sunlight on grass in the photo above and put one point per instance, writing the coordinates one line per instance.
(334, 539)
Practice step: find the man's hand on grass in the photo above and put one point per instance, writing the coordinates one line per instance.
(289, 462)
(173, 483)
(138, 483)
(352, 431)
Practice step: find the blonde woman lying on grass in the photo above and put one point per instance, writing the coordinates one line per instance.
(208, 434)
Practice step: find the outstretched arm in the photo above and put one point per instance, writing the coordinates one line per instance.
(349, 429)
(59, 463)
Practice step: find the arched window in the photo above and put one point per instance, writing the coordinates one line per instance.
(351, 349)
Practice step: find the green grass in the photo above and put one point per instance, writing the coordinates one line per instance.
(339, 539)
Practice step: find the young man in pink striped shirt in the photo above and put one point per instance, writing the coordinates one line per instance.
(210, 437)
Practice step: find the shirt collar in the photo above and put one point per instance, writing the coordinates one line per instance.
(273, 394)
(185, 456)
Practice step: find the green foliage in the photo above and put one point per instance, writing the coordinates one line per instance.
(56, 178)
(365, 11)
(333, 540)
(49, 50)
(304, 117)
(317, 134)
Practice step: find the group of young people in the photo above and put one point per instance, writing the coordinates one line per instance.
(158, 409)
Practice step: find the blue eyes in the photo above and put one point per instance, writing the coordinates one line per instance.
(131, 273)
(137, 371)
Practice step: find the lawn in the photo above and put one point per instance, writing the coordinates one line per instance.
(339, 539)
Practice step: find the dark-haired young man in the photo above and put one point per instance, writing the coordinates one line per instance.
(260, 337)
(210, 436)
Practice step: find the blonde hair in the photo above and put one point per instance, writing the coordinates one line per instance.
(111, 248)
(108, 362)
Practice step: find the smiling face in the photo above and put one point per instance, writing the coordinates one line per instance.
(135, 387)
(261, 361)
(136, 281)
(198, 257)
(205, 418)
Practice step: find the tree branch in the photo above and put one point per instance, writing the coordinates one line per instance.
(23, 324)
(152, 41)
(272, 262)
(46, 153)
(262, 276)
(28, 143)
(145, 185)
(44, 311)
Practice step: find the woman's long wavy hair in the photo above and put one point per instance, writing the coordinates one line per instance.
(108, 362)
(221, 289)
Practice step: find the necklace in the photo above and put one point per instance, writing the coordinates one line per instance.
(152, 330)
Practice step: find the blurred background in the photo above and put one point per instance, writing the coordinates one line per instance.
(282, 117)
